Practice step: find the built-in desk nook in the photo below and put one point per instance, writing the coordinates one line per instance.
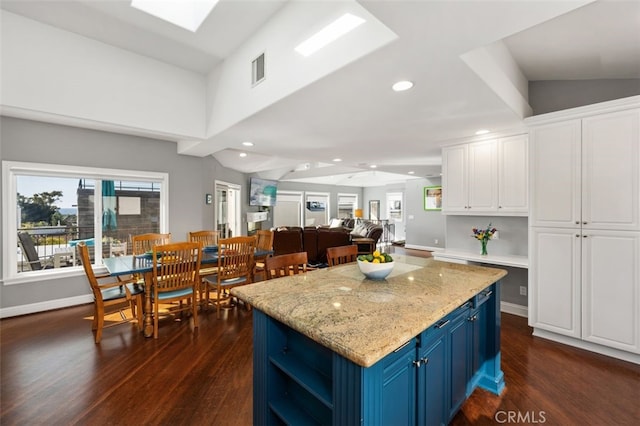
(331, 347)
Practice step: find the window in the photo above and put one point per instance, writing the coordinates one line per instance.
(50, 208)
(347, 204)
(316, 209)
(288, 209)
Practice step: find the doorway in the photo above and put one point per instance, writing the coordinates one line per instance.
(228, 208)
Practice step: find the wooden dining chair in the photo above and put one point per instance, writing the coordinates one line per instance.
(176, 278)
(205, 239)
(264, 241)
(109, 297)
(143, 243)
(235, 268)
(285, 265)
(341, 254)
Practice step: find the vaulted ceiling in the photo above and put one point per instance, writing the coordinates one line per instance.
(338, 103)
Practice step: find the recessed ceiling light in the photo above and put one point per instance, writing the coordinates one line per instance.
(187, 14)
(403, 85)
(482, 132)
(373, 166)
(247, 143)
(411, 172)
(243, 154)
(337, 160)
(328, 34)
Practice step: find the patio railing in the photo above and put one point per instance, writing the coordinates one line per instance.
(59, 243)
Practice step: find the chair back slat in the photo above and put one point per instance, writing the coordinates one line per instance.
(264, 240)
(285, 265)
(140, 244)
(205, 238)
(176, 266)
(342, 254)
(236, 257)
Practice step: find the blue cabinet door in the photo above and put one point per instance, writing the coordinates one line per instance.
(399, 387)
(432, 375)
(459, 358)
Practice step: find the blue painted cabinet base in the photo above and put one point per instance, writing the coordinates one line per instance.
(300, 382)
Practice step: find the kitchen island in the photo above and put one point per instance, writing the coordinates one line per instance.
(331, 347)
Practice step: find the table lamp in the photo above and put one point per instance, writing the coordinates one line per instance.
(358, 214)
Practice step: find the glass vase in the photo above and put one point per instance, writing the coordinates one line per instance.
(484, 247)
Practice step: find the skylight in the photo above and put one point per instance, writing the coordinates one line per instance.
(328, 34)
(188, 14)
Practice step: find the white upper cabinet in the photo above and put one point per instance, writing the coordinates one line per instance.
(611, 171)
(454, 179)
(555, 175)
(483, 176)
(586, 173)
(486, 177)
(513, 178)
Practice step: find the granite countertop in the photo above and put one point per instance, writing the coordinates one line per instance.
(365, 320)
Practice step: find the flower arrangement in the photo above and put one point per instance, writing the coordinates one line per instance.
(484, 235)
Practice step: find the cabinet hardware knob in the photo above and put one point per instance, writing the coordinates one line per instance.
(577, 222)
(584, 223)
(487, 293)
(499, 207)
(584, 236)
(577, 235)
(416, 363)
(425, 360)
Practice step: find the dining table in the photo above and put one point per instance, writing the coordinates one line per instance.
(143, 265)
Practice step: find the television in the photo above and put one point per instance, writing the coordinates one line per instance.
(262, 192)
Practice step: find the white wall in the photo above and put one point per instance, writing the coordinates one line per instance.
(229, 91)
(58, 73)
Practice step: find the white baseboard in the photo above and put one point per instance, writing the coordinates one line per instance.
(592, 347)
(514, 309)
(32, 308)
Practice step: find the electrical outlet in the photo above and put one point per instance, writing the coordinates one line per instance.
(523, 290)
(495, 236)
(435, 241)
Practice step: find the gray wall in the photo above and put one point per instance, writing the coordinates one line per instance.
(556, 95)
(426, 226)
(513, 238)
(189, 179)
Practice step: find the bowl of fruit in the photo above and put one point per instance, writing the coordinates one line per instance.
(375, 266)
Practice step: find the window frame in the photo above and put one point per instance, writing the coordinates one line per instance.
(12, 169)
(354, 205)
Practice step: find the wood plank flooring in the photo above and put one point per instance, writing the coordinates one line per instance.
(53, 373)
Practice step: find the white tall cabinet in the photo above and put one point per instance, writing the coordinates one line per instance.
(584, 256)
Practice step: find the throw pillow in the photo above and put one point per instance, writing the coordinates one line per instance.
(360, 230)
(335, 223)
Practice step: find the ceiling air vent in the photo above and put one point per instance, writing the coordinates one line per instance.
(257, 70)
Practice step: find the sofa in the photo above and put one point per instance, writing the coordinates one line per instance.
(316, 240)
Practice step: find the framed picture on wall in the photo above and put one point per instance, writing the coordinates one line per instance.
(433, 198)
(374, 210)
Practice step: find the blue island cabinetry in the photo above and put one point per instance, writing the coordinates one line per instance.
(298, 381)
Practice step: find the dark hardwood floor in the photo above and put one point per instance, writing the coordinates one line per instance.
(53, 373)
